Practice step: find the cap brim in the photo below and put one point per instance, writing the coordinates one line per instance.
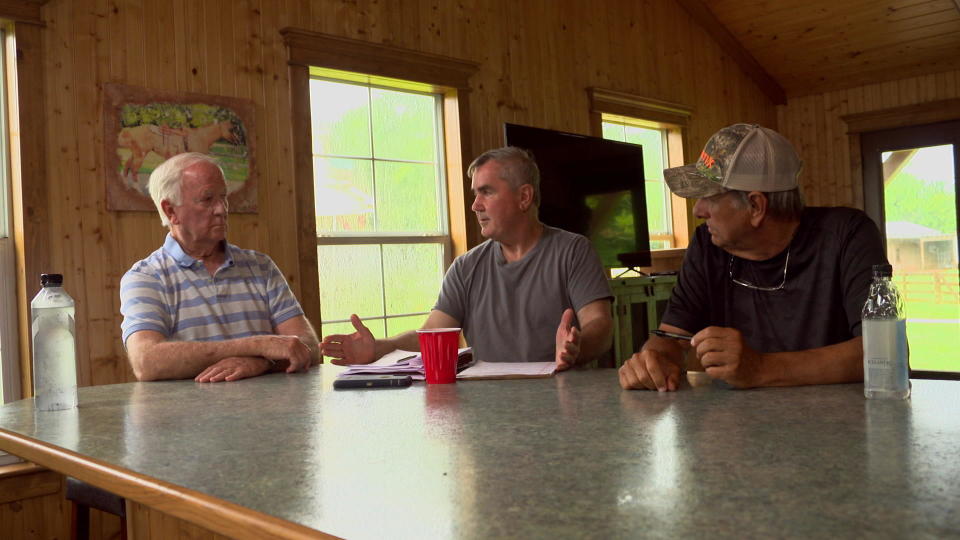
(687, 182)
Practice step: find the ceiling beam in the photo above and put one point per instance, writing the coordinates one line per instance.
(706, 19)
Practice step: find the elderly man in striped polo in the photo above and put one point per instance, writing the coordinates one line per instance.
(201, 307)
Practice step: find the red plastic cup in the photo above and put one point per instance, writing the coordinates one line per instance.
(438, 347)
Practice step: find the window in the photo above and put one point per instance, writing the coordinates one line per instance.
(387, 68)
(380, 195)
(659, 127)
(9, 350)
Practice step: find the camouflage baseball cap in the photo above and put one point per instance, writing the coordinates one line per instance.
(744, 157)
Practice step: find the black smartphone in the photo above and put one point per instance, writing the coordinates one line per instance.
(372, 381)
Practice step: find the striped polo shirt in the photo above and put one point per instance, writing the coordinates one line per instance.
(172, 293)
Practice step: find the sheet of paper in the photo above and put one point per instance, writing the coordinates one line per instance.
(393, 357)
(410, 363)
(395, 363)
(508, 370)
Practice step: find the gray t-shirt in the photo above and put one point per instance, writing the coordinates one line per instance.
(510, 311)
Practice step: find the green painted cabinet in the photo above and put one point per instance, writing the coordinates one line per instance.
(638, 304)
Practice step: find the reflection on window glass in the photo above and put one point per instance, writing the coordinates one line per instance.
(403, 126)
(340, 115)
(652, 140)
(376, 327)
(407, 199)
(343, 195)
(404, 324)
(343, 268)
(412, 275)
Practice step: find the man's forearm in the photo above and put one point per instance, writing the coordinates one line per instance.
(596, 338)
(310, 340)
(406, 341)
(300, 328)
(838, 363)
(186, 359)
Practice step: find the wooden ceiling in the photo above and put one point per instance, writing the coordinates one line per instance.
(812, 46)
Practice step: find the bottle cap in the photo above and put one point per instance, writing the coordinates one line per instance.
(51, 280)
(882, 270)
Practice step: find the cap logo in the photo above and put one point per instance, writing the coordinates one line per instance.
(706, 159)
(707, 166)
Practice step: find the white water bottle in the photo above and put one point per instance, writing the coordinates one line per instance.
(54, 346)
(885, 350)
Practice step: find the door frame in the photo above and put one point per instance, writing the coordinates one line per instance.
(872, 145)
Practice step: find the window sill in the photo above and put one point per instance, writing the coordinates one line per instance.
(665, 260)
(667, 253)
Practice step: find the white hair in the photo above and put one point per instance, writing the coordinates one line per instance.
(165, 180)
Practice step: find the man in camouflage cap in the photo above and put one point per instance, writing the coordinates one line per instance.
(770, 292)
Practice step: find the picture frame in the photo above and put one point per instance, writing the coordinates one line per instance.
(143, 127)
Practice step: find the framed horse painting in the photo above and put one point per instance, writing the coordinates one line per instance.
(143, 127)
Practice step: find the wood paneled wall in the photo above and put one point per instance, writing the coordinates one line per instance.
(537, 58)
(813, 124)
(32, 504)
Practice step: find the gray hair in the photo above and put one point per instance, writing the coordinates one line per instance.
(783, 205)
(165, 180)
(518, 168)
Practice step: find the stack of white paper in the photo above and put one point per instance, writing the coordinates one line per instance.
(405, 363)
(410, 363)
(508, 370)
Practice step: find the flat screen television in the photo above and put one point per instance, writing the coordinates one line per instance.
(593, 187)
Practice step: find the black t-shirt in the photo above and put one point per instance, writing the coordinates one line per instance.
(827, 280)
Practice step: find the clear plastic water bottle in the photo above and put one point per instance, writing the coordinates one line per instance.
(885, 350)
(54, 346)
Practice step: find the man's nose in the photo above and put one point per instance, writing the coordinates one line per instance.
(221, 206)
(699, 209)
(477, 206)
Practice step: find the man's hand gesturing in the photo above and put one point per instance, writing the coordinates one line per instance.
(346, 349)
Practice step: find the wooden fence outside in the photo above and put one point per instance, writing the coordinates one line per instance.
(936, 286)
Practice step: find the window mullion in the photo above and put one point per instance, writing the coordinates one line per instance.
(383, 293)
(373, 158)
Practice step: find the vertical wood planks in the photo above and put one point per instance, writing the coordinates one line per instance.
(536, 61)
(813, 124)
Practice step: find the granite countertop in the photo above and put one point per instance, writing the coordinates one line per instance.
(571, 455)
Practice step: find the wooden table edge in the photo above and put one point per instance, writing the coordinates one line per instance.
(215, 514)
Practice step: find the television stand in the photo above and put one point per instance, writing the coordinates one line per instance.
(638, 304)
(631, 269)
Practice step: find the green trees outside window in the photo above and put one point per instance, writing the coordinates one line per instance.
(380, 196)
(920, 211)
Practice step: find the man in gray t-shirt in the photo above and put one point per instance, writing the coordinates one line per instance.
(529, 293)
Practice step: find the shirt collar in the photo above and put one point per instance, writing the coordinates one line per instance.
(172, 247)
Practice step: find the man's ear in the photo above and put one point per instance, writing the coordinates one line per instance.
(526, 197)
(757, 206)
(167, 208)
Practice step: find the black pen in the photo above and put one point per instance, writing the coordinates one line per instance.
(661, 333)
